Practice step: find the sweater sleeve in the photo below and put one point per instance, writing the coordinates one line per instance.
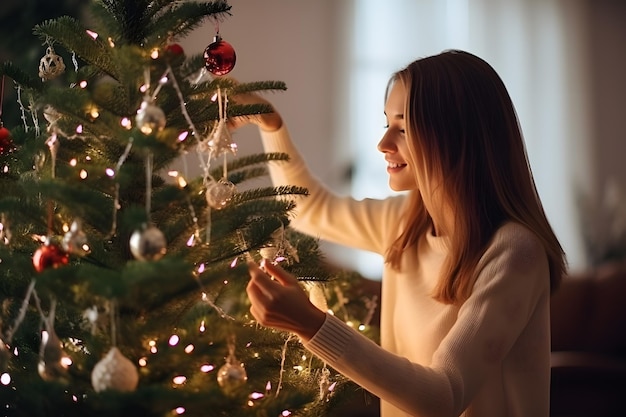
(365, 224)
(512, 279)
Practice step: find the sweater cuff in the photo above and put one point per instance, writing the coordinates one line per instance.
(331, 340)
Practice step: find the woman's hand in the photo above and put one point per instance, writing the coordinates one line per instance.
(280, 302)
(266, 121)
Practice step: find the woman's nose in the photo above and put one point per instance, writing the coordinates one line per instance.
(385, 145)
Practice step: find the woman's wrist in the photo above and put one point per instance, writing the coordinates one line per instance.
(312, 325)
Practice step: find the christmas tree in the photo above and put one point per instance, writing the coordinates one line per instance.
(123, 283)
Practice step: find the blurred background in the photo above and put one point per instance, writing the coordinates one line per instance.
(563, 61)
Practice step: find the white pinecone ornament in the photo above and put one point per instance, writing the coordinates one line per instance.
(114, 372)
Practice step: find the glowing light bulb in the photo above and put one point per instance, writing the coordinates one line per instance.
(5, 379)
(174, 339)
(179, 380)
(207, 368)
(183, 136)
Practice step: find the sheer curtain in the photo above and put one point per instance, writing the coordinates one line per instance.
(528, 42)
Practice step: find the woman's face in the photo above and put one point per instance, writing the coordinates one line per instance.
(394, 142)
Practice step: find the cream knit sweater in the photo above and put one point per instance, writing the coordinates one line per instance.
(487, 358)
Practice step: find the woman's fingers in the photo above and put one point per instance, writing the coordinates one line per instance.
(282, 276)
(277, 300)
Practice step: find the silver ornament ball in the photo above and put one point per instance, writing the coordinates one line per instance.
(148, 244)
(75, 240)
(150, 118)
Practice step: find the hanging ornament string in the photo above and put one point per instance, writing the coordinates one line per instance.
(53, 145)
(18, 90)
(149, 156)
(22, 312)
(283, 358)
(116, 192)
(32, 106)
(149, 161)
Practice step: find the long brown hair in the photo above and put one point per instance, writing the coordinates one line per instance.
(463, 132)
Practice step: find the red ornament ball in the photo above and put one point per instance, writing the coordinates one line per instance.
(49, 256)
(219, 57)
(6, 143)
(173, 50)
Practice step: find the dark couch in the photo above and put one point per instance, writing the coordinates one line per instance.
(589, 344)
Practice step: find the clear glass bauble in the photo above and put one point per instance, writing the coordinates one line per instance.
(232, 376)
(219, 194)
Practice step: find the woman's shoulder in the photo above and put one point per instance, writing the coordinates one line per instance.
(515, 243)
(515, 233)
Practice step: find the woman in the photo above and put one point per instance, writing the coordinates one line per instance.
(470, 258)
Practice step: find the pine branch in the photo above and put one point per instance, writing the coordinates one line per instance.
(21, 77)
(184, 18)
(249, 160)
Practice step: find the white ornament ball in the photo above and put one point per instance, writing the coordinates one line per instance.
(114, 372)
(148, 244)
